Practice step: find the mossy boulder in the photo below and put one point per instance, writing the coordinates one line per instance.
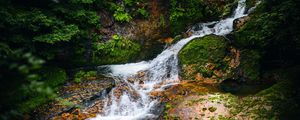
(249, 68)
(202, 55)
(210, 48)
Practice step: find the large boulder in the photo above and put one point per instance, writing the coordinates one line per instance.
(203, 55)
(210, 48)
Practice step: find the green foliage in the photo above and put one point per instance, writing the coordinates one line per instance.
(43, 90)
(266, 23)
(270, 35)
(64, 34)
(127, 10)
(117, 50)
(143, 12)
(26, 84)
(84, 75)
(187, 12)
(121, 15)
(83, 17)
(53, 76)
(203, 50)
(257, 31)
(34, 33)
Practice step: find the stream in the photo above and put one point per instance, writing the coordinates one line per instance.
(129, 99)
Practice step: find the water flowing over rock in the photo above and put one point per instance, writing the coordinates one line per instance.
(134, 101)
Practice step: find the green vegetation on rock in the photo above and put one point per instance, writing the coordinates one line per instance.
(187, 12)
(210, 48)
(117, 50)
(269, 38)
(199, 52)
(84, 75)
(250, 65)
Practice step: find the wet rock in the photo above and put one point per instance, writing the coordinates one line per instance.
(239, 22)
(141, 74)
(155, 94)
(123, 88)
(130, 79)
(73, 96)
(156, 111)
(96, 108)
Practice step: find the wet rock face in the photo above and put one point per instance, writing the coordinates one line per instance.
(76, 97)
(238, 23)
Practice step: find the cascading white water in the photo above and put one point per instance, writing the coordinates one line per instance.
(134, 101)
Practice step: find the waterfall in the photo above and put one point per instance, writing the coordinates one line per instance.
(130, 99)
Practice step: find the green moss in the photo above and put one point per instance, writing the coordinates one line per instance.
(117, 50)
(210, 48)
(278, 101)
(266, 24)
(199, 52)
(250, 65)
(212, 109)
(84, 75)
